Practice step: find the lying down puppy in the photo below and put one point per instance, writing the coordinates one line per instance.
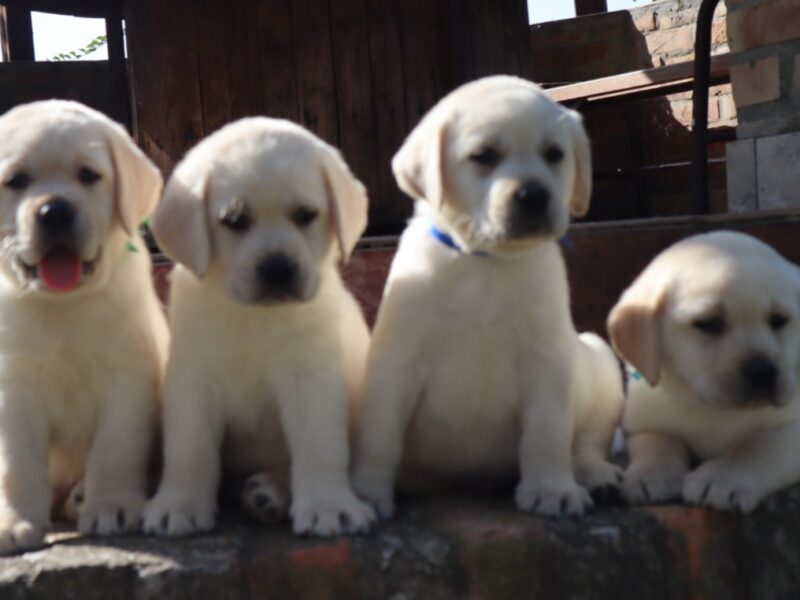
(268, 346)
(475, 369)
(83, 336)
(712, 325)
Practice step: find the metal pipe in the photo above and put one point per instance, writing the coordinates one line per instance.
(702, 67)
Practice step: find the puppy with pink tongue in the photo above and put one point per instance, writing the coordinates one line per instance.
(83, 335)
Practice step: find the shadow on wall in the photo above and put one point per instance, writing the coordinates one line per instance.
(641, 148)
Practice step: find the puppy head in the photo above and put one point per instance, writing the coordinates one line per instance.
(73, 185)
(719, 313)
(266, 206)
(499, 163)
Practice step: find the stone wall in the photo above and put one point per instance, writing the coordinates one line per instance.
(634, 134)
(764, 165)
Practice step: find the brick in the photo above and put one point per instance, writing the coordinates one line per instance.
(645, 21)
(777, 160)
(680, 39)
(727, 108)
(756, 82)
(763, 24)
(719, 32)
(741, 174)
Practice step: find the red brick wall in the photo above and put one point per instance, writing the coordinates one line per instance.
(635, 134)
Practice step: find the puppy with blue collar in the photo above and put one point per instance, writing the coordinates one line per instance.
(475, 369)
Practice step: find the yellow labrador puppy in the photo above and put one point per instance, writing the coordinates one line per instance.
(712, 325)
(475, 368)
(268, 346)
(84, 338)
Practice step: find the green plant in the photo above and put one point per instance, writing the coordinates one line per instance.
(89, 48)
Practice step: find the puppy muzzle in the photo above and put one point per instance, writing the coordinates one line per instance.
(279, 279)
(529, 213)
(54, 262)
(761, 378)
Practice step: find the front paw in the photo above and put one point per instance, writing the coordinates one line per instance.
(658, 484)
(723, 486)
(378, 494)
(602, 478)
(19, 535)
(178, 514)
(565, 500)
(111, 514)
(329, 512)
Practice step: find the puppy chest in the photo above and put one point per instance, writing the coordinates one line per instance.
(469, 406)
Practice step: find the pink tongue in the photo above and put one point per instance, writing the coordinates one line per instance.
(61, 270)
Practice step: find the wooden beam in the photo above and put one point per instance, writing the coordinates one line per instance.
(664, 80)
(590, 7)
(18, 34)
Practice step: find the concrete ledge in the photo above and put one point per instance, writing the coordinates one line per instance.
(441, 548)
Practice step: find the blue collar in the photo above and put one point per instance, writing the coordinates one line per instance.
(448, 241)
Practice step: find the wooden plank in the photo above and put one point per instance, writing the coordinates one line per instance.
(516, 33)
(243, 60)
(273, 23)
(78, 8)
(351, 60)
(590, 7)
(215, 30)
(388, 205)
(666, 79)
(422, 59)
(316, 91)
(84, 81)
(163, 57)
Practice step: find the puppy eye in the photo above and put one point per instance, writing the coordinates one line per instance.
(87, 176)
(303, 216)
(486, 157)
(710, 326)
(234, 217)
(19, 181)
(553, 155)
(777, 321)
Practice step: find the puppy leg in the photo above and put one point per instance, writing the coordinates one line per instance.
(265, 496)
(547, 485)
(593, 470)
(750, 470)
(314, 418)
(186, 499)
(600, 404)
(25, 493)
(116, 468)
(389, 402)
(657, 468)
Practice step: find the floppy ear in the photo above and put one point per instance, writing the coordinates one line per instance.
(634, 325)
(180, 225)
(582, 186)
(137, 181)
(347, 201)
(418, 166)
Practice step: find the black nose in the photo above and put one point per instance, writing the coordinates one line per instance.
(531, 198)
(278, 271)
(761, 374)
(56, 216)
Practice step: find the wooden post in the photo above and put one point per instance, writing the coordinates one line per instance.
(590, 7)
(18, 34)
(118, 65)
